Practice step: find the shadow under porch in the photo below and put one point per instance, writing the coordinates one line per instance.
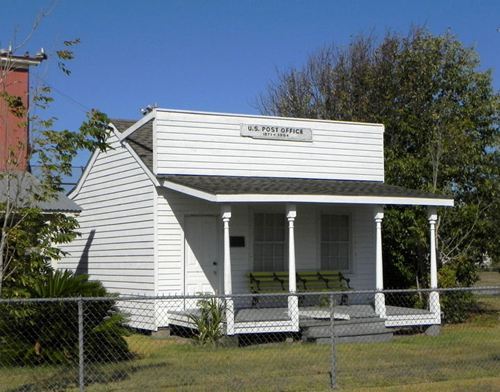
(352, 323)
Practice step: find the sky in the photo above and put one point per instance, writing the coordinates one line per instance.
(212, 55)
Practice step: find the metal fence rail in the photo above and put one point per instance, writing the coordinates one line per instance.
(299, 341)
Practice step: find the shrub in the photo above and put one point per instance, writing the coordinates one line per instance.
(456, 306)
(47, 332)
(209, 321)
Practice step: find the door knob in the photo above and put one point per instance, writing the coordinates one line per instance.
(214, 263)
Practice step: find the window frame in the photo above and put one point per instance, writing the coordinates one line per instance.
(254, 212)
(350, 251)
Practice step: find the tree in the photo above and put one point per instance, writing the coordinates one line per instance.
(441, 135)
(29, 237)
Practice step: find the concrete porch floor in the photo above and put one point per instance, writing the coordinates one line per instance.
(341, 312)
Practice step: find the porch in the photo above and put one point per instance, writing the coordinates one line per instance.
(352, 323)
(293, 317)
(294, 199)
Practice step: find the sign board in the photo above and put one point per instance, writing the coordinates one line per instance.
(276, 132)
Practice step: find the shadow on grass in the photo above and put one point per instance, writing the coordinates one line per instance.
(58, 382)
(65, 378)
(103, 376)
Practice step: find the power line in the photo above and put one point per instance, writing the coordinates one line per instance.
(63, 94)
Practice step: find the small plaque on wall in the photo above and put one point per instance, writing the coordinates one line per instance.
(237, 241)
(276, 132)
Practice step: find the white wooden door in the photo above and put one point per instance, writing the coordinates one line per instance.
(201, 255)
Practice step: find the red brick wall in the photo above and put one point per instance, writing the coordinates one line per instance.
(14, 129)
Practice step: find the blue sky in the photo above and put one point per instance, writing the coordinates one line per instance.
(213, 55)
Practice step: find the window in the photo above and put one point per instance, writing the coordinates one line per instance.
(335, 242)
(269, 242)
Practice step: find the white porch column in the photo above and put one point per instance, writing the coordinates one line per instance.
(293, 302)
(434, 305)
(228, 285)
(379, 268)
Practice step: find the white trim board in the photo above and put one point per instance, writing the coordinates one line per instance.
(195, 112)
(285, 198)
(150, 116)
(141, 163)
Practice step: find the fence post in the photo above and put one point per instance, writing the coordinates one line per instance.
(333, 370)
(81, 358)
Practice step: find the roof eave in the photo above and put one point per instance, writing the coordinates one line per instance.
(307, 198)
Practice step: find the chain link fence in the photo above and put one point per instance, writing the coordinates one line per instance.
(308, 341)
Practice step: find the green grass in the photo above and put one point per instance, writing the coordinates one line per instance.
(489, 278)
(464, 357)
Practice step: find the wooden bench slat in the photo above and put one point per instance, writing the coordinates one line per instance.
(306, 281)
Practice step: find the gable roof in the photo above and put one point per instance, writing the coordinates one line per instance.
(19, 187)
(141, 140)
(121, 124)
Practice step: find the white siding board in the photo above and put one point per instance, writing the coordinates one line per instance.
(108, 211)
(103, 162)
(193, 134)
(227, 120)
(140, 313)
(113, 182)
(123, 271)
(117, 232)
(115, 219)
(234, 159)
(118, 239)
(101, 166)
(203, 144)
(263, 166)
(242, 152)
(195, 139)
(122, 169)
(125, 197)
(125, 189)
(282, 173)
(105, 244)
(102, 170)
(211, 146)
(98, 252)
(133, 288)
(122, 227)
(118, 259)
(117, 207)
(118, 263)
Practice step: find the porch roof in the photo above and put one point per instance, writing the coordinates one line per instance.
(22, 187)
(226, 189)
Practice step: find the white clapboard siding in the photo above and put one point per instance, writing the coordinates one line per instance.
(211, 144)
(139, 313)
(171, 209)
(116, 245)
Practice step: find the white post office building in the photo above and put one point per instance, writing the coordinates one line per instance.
(193, 202)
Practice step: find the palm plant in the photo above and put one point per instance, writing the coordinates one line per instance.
(47, 332)
(209, 321)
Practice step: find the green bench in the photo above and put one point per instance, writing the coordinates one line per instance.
(307, 281)
(322, 281)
